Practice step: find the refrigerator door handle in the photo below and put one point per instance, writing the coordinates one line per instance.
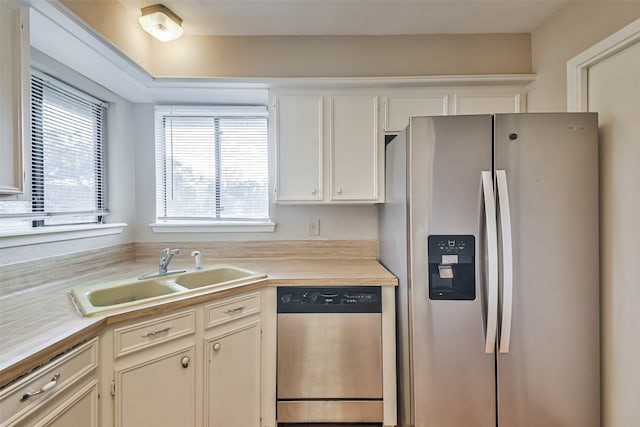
(507, 261)
(492, 243)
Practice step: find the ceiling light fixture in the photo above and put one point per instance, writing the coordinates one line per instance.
(161, 22)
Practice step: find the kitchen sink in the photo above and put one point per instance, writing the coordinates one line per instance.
(222, 275)
(100, 298)
(130, 292)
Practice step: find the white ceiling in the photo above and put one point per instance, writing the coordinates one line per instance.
(355, 17)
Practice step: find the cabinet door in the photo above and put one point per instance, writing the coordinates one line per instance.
(14, 93)
(233, 379)
(488, 102)
(80, 410)
(157, 392)
(399, 108)
(355, 148)
(299, 141)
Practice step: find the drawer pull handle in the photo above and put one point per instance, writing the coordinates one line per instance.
(234, 310)
(159, 331)
(45, 388)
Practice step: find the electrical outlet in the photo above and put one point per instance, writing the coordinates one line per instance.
(314, 227)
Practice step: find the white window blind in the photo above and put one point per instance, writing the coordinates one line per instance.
(211, 164)
(67, 153)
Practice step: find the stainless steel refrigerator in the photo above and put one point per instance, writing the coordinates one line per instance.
(491, 226)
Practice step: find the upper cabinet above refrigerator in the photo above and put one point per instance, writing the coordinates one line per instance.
(400, 104)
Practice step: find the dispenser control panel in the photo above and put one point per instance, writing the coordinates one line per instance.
(452, 267)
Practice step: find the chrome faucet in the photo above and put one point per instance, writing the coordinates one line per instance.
(165, 258)
(163, 267)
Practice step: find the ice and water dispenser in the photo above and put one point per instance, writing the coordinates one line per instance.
(452, 267)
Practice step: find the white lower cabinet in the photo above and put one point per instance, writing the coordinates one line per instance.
(79, 410)
(232, 390)
(61, 393)
(153, 372)
(202, 366)
(157, 391)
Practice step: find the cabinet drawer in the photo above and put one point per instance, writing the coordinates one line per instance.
(230, 309)
(52, 378)
(132, 338)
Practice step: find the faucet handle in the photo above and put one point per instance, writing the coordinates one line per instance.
(175, 251)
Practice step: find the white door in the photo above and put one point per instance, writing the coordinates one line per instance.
(80, 410)
(299, 144)
(614, 92)
(233, 379)
(355, 148)
(157, 392)
(487, 102)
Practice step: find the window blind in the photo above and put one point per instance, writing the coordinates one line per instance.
(211, 164)
(67, 154)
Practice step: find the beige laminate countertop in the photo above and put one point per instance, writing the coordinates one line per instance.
(41, 322)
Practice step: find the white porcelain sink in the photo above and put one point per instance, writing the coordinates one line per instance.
(110, 296)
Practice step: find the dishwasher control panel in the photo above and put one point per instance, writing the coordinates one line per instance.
(357, 299)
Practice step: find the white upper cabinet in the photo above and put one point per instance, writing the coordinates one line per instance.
(487, 101)
(355, 148)
(14, 95)
(401, 104)
(328, 148)
(329, 143)
(299, 136)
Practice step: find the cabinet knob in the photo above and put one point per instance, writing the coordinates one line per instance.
(185, 361)
(314, 191)
(216, 346)
(339, 190)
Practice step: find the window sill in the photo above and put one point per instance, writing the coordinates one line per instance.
(213, 227)
(55, 234)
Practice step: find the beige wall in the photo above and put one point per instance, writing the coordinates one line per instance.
(614, 94)
(116, 24)
(571, 30)
(311, 56)
(343, 56)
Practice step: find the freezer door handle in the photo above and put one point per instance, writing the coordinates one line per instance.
(507, 261)
(492, 259)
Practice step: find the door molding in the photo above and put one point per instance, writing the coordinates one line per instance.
(578, 66)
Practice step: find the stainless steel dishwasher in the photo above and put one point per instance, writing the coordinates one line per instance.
(329, 355)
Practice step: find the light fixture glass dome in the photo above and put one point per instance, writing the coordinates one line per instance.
(161, 22)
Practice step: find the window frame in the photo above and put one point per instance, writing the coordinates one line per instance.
(214, 223)
(12, 237)
(98, 112)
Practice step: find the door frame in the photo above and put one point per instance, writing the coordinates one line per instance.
(578, 66)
